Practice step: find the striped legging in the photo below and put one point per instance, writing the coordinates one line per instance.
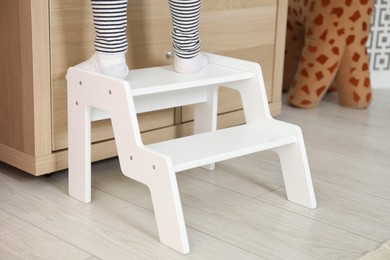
(110, 21)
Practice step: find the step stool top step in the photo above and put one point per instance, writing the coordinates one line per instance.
(162, 79)
(202, 149)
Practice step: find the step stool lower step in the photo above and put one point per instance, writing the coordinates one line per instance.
(206, 148)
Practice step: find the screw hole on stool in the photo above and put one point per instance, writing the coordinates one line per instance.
(109, 92)
(131, 158)
(80, 83)
(77, 103)
(154, 167)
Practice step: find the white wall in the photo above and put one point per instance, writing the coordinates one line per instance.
(379, 45)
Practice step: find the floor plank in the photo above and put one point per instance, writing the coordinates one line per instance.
(21, 240)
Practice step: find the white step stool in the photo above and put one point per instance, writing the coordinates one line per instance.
(93, 96)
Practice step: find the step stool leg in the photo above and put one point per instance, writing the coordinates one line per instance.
(296, 173)
(79, 142)
(168, 211)
(205, 117)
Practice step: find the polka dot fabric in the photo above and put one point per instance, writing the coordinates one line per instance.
(326, 48)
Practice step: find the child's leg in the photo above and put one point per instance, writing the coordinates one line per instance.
(110, 21)
(185, 35)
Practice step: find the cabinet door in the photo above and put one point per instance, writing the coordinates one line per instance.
(72, 41)
(245, 30)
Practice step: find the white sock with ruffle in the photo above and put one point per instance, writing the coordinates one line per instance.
(190, 65)
(113, 65)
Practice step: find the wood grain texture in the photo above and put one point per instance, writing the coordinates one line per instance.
(280, 41)
(40, 69)
(21, 240)
(24, 65)
(15, 72)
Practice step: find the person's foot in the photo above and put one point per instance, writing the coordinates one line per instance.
(191, 65)
(113, 65)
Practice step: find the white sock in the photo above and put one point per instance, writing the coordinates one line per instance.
(113, 65)
(191, 65)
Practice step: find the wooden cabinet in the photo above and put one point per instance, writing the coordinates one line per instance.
(40, 39)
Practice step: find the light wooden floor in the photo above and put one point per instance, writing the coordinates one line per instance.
(239, 211)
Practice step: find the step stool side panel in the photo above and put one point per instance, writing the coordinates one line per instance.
(296, 170)
(79, 141)
(156, 171)
(146, 166)
(167, 207)
(136, 161)
(295, 166)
